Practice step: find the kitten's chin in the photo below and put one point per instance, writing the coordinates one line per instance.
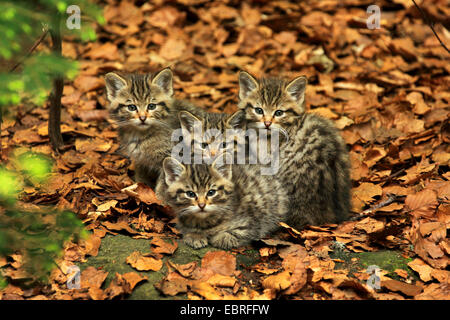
(135, 126)
(142, 126)
(271, 129)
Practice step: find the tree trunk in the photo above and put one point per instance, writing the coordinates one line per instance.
(54, 119)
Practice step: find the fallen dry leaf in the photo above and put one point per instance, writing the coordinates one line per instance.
(161, 246)
(143, 193)
(220, 262)
(92, 278)
(405, 288)
(132, 278)
(365, 193)
(143, 263)
(423, 269)
(278, 282)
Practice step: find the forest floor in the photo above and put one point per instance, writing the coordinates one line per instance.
(386, 89)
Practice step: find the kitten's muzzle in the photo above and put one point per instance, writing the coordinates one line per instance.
(201, 205)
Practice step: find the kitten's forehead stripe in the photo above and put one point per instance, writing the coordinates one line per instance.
(271, 91)
(200, 176)
(140, 88)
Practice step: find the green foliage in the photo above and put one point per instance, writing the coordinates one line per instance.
(23, 22)
(3, 282)
(9, 186)
(38, 234)
(35, 167)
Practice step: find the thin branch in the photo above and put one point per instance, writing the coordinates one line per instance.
(391, 198)
(33, 47)
(430, 24)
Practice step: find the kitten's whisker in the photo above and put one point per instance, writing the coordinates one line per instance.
(186, 211)
(284, 132)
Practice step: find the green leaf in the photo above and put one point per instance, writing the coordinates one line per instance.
(3, 283)
(36, 166)
(9, 184)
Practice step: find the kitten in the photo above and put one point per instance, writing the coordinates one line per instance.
(223, 205)
(314, 163)
(146, 112)
(216, 133)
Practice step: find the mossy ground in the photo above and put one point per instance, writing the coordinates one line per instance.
(114, 251)
(385, 259)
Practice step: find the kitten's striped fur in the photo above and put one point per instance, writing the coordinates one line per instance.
(146, 127)
(213, 139)
(314, 162)
(243, 207)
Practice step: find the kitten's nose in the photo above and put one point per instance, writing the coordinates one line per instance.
(213, 152)
(143, 118)
(201, 205)
(267, 123)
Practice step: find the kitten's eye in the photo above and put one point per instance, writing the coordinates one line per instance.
(132, 107)
(224, 145)
(151, 106)
(211, 193)
(259, 111)
(190, 194)
(279, 113)
(204, 145)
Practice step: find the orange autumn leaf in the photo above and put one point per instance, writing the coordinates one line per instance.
(161, 246)
(132, 278)
(422, 203)
(220, 262)
(278, 282)
(142, 192)
(365, 193)
(143, 263)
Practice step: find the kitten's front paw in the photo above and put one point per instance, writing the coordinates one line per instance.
(225, 241)
(195, 241)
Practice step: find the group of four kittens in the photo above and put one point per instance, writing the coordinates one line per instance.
(219, 202)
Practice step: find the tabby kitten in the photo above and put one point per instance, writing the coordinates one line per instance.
(314, 163)
(221, 204)
(146, 112)
(216, 133)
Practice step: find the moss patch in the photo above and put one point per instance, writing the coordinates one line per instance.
(114, 251)
(384, 259)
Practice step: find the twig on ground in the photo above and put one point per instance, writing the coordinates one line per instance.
(430, 24)
(391, 198)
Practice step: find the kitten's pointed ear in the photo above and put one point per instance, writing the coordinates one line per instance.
(172, 170)
(223, 165)
(296, 89)
(188, 121)
(164, 80)
(114, 83)
(247, 84)
(236, 120)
